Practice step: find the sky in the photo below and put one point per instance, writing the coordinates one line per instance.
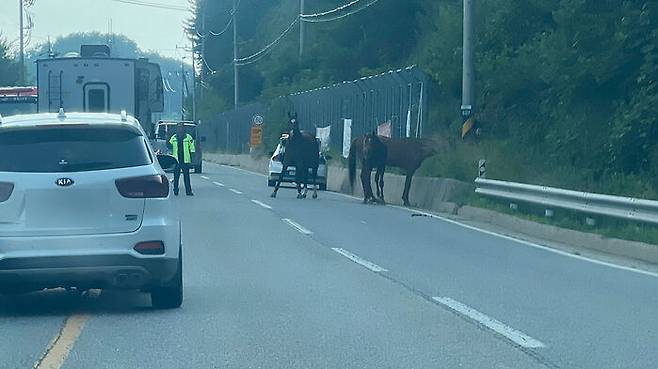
(153, 29)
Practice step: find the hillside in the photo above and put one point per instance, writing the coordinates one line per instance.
(566, 90)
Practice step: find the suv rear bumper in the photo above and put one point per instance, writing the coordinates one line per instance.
(89, 271)
(89, 261)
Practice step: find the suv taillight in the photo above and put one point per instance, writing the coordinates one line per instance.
(5, 191)
(147, 187)
(150, 248)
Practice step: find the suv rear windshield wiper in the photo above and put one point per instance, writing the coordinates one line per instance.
(97, 165)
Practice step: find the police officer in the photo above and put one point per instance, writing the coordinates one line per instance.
(182, 148)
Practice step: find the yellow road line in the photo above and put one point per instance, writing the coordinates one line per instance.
(61, 345)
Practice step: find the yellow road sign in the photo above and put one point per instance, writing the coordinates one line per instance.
(256, 136)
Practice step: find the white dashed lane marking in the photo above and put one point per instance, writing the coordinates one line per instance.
(298, 227)
(262, 204)
(364, 263)
(219, 184)
(511, 334)
(235, 191)
(204, 177)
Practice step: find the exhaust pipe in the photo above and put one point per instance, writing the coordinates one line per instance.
(136, 279)
(121, 280)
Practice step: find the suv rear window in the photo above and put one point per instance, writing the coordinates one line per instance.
(165, 131)
(68, 149)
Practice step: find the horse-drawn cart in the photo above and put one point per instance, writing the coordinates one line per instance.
(276, 166)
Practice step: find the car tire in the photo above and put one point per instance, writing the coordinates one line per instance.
(271, 182)
(170, 296)
(199, 168)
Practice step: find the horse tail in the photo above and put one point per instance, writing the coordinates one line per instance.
(352, 161)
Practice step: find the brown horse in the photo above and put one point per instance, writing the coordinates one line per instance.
(404, 153)
(302, 152)
(373, 154)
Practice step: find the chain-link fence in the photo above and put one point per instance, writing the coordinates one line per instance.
(230, 131)
(394, 103)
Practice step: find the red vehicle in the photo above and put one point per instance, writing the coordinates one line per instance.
(18, 100)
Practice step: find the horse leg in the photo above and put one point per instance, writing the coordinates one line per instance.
(365, 183)
(278, 182)
(366, 180)
(380, 183)
(305, 182)
(298, 181)
(377, 174)
(315, 182)
(407, 186)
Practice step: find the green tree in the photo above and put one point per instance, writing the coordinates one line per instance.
(9, 68)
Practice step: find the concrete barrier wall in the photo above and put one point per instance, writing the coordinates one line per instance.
(438, 194)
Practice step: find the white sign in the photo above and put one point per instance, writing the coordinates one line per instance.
(347, 137)
(384, 129)
(408, 130)
(324, 134)
(258, 120)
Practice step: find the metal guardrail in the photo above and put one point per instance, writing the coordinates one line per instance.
(628, 208)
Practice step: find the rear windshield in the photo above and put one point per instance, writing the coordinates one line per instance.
(165, 131)
(61, 150)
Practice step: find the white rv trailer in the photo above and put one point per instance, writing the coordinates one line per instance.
(92, 81)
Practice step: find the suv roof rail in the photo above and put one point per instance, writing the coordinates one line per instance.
(124, 116)
(61, 114)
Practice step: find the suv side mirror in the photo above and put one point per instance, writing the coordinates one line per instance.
(167, 162)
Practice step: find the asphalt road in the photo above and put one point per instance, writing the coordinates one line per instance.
(332, 283)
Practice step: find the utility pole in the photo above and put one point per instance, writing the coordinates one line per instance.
(236, 76)
(22, 41)
(302, 29)
(182, 90)
(202, 75)
(193, 84)
(468, 72)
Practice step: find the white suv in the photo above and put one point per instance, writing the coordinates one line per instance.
(84, 203)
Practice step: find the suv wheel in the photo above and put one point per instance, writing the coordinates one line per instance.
(170, 296)
(199, 168)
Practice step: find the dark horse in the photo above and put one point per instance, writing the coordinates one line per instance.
(404, 153)
(302, 152)
(373, 154)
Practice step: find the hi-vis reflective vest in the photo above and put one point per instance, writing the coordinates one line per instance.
(188, 147)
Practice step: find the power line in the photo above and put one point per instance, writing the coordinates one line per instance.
(212, 71)
(263, 52)
(345, 6)
(226, 28)
(153, 5)
(331, 15)
(326, 16)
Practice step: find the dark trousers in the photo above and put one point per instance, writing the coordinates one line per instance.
(186, 177)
